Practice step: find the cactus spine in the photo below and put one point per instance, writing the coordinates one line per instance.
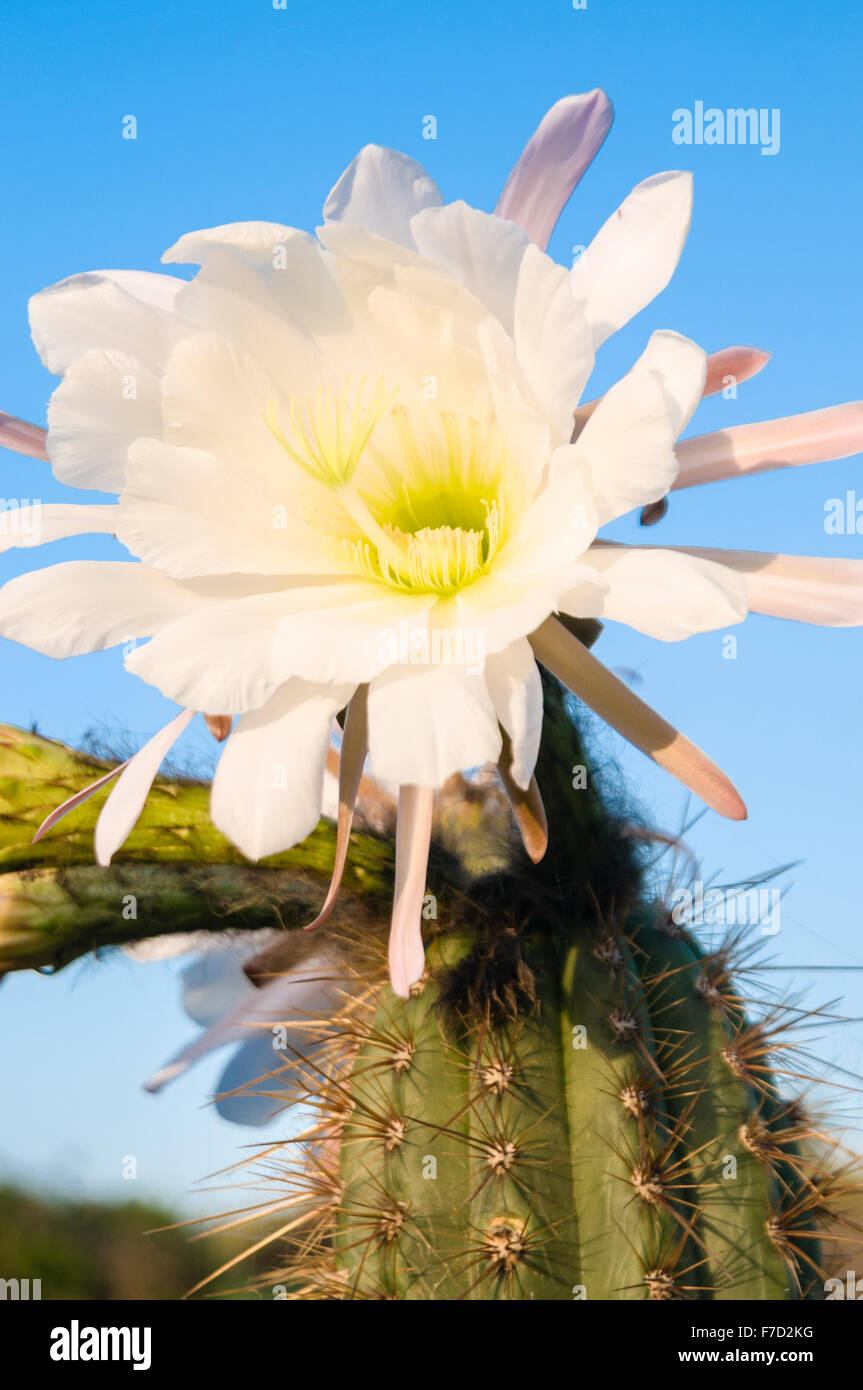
(593, 1148)
(572, 1104)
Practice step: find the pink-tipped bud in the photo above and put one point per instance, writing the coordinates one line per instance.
(219, 725)
(731, 366)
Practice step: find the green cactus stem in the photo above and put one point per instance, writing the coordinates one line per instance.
(572, 1105)
(176, 873)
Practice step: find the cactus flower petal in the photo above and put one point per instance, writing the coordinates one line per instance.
(634, 254)
(553, 162)
(381, 190)
(42, 522)
(77, 800)
(620, 707)
(515, 687)
(22, 437)
(104, 309)
(126, 801)
(355, 746)
(732, 366)
(816, 437)
(426, 724)
(269, 785)
(290, 999)
(527, 806)
(653, 401)
(413, 838)
(803, 588)
(350, 462)
(81, 606)
(668, 594)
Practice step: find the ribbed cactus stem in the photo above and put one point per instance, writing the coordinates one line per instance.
(589, 1149)
(572, 1104)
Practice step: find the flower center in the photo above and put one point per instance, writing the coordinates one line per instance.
(419, 499)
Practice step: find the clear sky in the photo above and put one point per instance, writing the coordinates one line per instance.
(247, 111)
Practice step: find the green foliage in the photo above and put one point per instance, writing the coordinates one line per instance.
(97, 1250)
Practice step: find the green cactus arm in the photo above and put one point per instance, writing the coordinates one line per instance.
(176, 872)
(38, 774)
(50, 917)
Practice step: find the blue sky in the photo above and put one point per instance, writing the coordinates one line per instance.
(245, 111)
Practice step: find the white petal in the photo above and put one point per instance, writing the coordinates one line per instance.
(42, 522)
(181, 512)
(268, 788)
(627, 445)
(159, 948)
(381, 190)
(233, 656)
(552, 339)
(508, 603)
(427, 722)
(436, 324)
(215, 982)
(243, 237)
(514, 683)
(358, 260)
(105, 400)
(268, 290)
(634, 254)
(126, 802)
(666, 594)
(150, 287)
(681, 366)
(351, 631)
(311, 991)
(215, 397)
(482, 252)
(129, 311)
(64, 610)
(803, 588)
(558, 526)
(553, 161)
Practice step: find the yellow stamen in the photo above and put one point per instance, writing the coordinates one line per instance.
(325, 445)
(429, 510)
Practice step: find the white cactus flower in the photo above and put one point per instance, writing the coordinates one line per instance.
(352, 472)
